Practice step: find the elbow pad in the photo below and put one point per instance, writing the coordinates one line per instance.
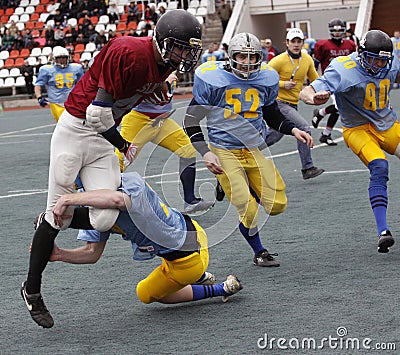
(99, 116)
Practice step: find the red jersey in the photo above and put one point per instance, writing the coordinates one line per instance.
(325, 50)
(126, 69)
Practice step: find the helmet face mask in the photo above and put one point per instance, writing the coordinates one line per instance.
(247, 48)
(375, 53)
(61, 57)
(337, 29)
(177, 37)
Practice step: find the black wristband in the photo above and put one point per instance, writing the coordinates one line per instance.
(115, 138)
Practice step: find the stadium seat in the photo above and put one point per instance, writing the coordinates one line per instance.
(50, 23)
(111, 26)
(1, 82)
(40, 9)
(46, 51)
(14, 18)
(77, 57)
(24, 18)
(194, 4)
(19, 62)
(36, 52)
(1, 63)
(90, 47)
(43, 58)
(79, 48)
(24, 3)
(14, 54)
(35, 2)
(133, 25)
(4, 73)
(30, 10)
(94, 20)
(100, 27)
(35, 33)
(9, 11)
(15, 72)
(192, 11)
(163, 4)
(20, 26)
(9, 82)
(203, 3)
(104, 19)
(24, 53)
(9, 63)
(200, 19)
(32, 61)
(124, 18)
(172, 5)
(72, 21)
(20, 81)
(4, 18)
(95, 53)
(39, 24)
(43, 17)
(34, 17)
(85, 56)
(19, 10)
(201, 11)
(4, 55)
(121, 27)
(29, 25)
(44, 2)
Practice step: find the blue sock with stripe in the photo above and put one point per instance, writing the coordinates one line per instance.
(378, 197)
(207, 291)
(253, 240)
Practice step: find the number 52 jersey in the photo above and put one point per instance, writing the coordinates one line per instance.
(59, 81)
(361, 98)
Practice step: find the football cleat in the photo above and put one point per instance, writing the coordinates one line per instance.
(385, 241)
(198, 206)
(37, 308)
(327, 139)
(266, 259)
(232, 285)
(316, 118)
(207, 279)
(311, 172)
(219, 192)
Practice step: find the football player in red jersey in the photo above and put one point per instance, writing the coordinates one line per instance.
(325, 50)
(127, 70)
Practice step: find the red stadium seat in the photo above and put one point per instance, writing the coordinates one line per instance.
(9, 63)
(29, 25)
(25, 53)
(34, 17)
(94, 20)
(121, 27)
(1, 12)
(4, 18)
(39, 10)
(14, 54)
(133, 25)
(9, 11)
(19, 62)
(79, 48)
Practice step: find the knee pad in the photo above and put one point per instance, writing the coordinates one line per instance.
(379, 169)
(143, 294)
(66, 169)
(103, 219)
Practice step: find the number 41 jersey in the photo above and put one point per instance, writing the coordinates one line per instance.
(360, 97)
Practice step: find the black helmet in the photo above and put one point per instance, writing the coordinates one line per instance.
(374, 45)
(337, 28)
(179, 29)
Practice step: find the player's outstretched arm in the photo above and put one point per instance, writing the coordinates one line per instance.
(310, 97)
(87, 254)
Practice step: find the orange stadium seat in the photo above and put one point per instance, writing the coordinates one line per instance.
(29, 25)
(1, 12)
(9, 11)
(25, 53)
(94, 20)
(19, 62)
(44, 2)
(39, 25)
(124, 18)
(133, 25)
(39, 9)
(14, 54)
(9, 63)
(121, 27)
(34, 17)
(79, 48)
(4, 18)
(35, 33)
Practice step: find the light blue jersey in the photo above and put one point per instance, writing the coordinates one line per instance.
(213, 56)
(59, 81)
(152, 227)
(235, 118)
(396, 47)
(360, 97)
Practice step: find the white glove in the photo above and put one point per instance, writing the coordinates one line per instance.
(130, 155)
(99, 117)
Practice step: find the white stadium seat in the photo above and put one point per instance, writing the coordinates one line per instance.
(9, 82)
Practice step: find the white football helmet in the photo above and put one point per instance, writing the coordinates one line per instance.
(61, 57)
(248, 44)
